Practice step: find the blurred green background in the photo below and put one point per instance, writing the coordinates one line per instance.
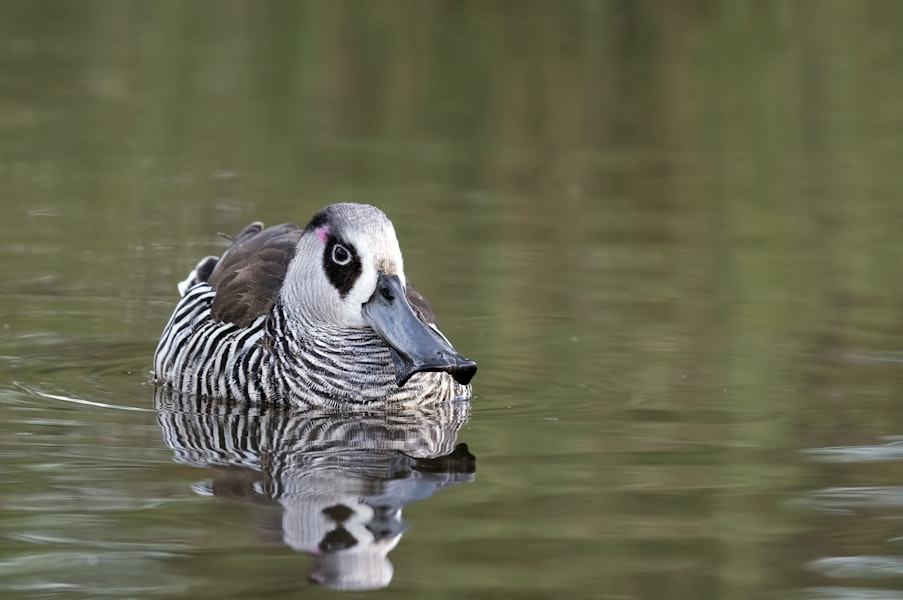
(669, 232)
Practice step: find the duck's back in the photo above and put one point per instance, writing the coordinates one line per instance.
(211, 345)
(248, 276)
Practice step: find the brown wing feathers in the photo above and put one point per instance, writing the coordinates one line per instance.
(247, 278)
(422, 307)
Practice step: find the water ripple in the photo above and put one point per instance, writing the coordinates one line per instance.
(94, 403)
(847, 498)
(843, 567)
(853, 593)
(891, 451)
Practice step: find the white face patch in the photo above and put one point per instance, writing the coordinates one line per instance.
(336, 266)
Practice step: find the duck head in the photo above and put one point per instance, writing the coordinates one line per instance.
(348, 273)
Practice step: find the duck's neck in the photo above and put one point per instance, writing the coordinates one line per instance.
(319, 365)
(348, 363)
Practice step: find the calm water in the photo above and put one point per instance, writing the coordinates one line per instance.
(671, 235)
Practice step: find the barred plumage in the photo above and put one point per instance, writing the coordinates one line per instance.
(318, 317)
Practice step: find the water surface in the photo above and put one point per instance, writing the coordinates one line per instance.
(670, 236)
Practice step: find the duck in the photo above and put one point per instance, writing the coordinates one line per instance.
(320, 316)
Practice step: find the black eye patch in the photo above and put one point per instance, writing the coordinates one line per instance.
(342, 265)
(337, 539)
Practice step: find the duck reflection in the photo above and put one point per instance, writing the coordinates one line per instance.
(341, 479)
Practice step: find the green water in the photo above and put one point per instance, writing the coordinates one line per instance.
(669, 232)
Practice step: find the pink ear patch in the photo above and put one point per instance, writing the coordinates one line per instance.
(323, 233)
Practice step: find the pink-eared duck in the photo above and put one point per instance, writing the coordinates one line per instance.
(319, 316)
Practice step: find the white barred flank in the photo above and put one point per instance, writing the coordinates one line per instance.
(271, 360)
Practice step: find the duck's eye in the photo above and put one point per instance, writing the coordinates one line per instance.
(340, 255)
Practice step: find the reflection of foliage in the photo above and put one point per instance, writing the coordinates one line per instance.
(678, 223)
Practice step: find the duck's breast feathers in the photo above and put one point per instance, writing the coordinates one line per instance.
(248, 277)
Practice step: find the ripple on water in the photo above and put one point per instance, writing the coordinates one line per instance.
(91, 507)
(853, 593)
(890, 451)
(88, 572)
(857, 517)
(869, 567)
(847, 499)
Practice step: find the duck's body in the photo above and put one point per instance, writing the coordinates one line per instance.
(319, 316)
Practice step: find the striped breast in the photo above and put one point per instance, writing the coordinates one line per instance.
(269, 360)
